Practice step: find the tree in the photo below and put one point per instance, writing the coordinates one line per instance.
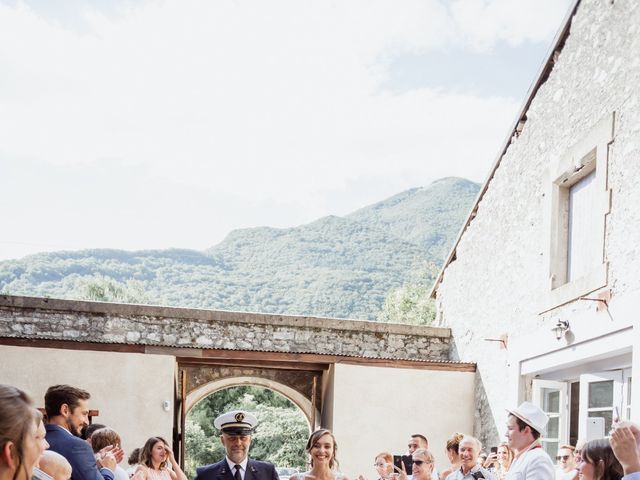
(104, 289)
(411, 303)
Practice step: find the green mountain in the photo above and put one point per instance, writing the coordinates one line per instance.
(336, 266)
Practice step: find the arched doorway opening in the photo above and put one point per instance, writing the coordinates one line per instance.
(283, 424)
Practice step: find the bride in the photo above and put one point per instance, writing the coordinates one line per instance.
(322, 449)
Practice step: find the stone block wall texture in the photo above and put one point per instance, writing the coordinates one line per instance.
(501, 271)
(38, 318)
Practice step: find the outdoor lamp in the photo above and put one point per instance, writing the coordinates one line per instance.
(561, 328)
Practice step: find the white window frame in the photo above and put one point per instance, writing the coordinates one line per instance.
(590, 154)
(627, 385)
(563, 422)
(585, 380)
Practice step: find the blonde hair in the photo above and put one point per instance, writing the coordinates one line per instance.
(425, 453)
(386, 455)
(454, 442)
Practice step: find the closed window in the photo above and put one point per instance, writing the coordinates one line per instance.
(583, 250)
(578, 202)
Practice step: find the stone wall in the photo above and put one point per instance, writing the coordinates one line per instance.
(39, 318)
(500, 274)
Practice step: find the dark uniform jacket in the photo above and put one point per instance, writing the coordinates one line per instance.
(256, 470)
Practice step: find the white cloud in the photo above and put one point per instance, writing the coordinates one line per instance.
(483, 23)
(275, 102)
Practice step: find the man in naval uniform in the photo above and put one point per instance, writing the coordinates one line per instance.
(237, 427)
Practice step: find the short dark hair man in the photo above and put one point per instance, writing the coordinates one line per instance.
(68, 412)
(525, 425)
(416, 441)
(236, 428)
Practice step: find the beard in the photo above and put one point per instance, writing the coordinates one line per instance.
(75, 431)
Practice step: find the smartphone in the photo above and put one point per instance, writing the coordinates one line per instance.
(494, 449)
(406, 460)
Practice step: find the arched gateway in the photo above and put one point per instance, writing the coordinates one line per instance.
(146, 366)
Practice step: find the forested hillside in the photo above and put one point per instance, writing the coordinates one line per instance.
(341, 267)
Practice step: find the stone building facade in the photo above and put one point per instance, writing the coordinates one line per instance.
(553, 241)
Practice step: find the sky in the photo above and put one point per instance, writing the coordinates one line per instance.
(166, 124)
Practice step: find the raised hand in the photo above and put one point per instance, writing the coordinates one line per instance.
(625, 447)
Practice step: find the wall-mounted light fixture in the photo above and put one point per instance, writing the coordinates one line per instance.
(166, 405)
(561, 329)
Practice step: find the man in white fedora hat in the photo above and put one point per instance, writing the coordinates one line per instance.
(525, 425)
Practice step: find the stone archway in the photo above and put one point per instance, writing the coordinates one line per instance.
(303, 403)
(301, 383)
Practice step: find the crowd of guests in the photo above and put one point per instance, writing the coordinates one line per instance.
(67, 447)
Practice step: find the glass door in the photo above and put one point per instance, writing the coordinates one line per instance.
(552, 398)
(600, 396)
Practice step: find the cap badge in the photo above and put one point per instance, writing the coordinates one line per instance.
(239, 417)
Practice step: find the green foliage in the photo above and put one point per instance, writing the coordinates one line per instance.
(335, 267)
(103, 289)
(279, 438)
(411, 303)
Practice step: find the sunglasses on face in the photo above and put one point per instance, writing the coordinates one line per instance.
(562, 457)
(420, 462)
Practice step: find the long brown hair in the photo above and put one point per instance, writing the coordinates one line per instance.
(17, 417)
(145, 453)
(314, 437)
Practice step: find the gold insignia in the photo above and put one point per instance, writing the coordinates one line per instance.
(239, 417)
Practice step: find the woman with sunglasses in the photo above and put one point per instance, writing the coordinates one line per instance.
(422, 464)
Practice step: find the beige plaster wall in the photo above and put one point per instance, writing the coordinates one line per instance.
(127, 388)
(376, 409)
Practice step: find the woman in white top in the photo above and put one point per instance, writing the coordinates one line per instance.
(322, 448)
(157, 462)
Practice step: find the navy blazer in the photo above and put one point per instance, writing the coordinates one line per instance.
(256, 470)
(77, 452)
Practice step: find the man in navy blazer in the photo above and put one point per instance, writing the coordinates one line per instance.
(68, 411)
(237, 427)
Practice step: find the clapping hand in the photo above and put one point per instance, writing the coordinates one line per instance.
(625, 440)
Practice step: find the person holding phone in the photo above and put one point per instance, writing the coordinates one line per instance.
(383, 464)
(499, 461)
(422, 464)
(625, 443)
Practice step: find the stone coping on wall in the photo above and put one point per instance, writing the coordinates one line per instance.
(101, 322)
